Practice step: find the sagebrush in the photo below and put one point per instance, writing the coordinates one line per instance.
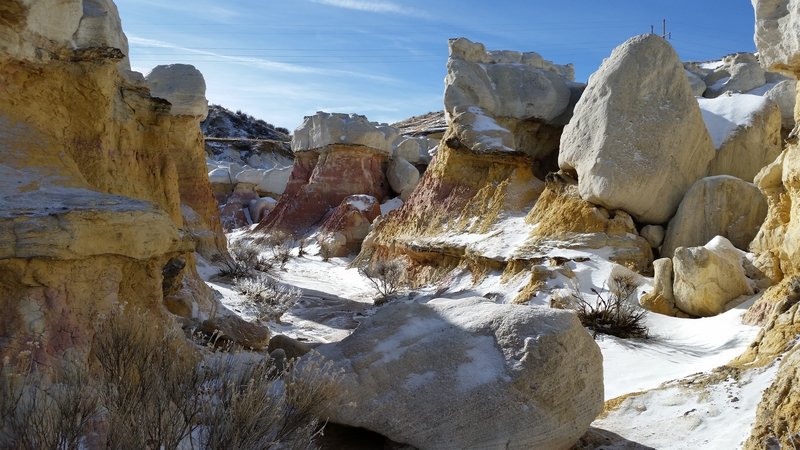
(386, 277)
(150, 388)
(614, 311)
(265, 297)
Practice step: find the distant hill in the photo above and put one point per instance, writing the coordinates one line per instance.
(226, 124)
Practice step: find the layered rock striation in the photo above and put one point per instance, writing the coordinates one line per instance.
(98, 177)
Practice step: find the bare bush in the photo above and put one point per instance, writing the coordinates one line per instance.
(385, 277)
(155, 391)
(613, 312)
(257, 406)
(281, 253)
(243, 260)
(265, 297)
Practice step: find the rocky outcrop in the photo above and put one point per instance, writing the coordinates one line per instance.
(414, 372)
(746, 130)
(708, 277)
(562, 219)
(348, 225)
(323, 129)
(182, 86)
(98, 177)
(508, 101)
(637, 140)
(322, 177)
(776, 34)
(716, 206)
(738, 72)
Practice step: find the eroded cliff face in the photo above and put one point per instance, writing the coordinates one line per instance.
(96, 177)
(777, 245)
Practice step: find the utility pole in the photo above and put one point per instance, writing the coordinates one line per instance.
(664, 33)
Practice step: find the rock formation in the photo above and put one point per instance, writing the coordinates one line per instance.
(716, 206)
(637, 140)
(98, 177)
(348, 225)
(777, 245)
(182, 86)
(708, 277)
(746, 131)
(336, 156)
(415, 373)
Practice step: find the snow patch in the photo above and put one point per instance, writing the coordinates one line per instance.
(724, 114)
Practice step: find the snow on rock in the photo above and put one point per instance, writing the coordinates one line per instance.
(714, 410)
(723, 115)
(535, 372)
(323, 129)
(637, 139)
(391, 205)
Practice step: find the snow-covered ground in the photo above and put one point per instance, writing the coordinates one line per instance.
(336, 298)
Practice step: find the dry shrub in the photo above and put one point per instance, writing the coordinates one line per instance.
(265, 297)
(613, 312)
(154, 390)
(385, 277)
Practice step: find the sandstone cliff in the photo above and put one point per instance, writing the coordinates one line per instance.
(97, 178)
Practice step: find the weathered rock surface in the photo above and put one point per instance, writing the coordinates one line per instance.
(716, 206)
(321, 180)
(563, 220)
(776, 35)
(345, 229)
(696, 83)
(661, 299)
(507, 101)
(414, 372)
(653, 234)
(403, 177)
(739, 72)
(708, 277)
(183, 86)
(97, 180)
(746, 130)
(637, 139)
(323, 129)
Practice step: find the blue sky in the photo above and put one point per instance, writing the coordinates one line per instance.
(280, 60)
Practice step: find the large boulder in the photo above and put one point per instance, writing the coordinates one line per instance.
(345, 229)
(416, 373)
(323, 129)
(777, 34)
(403, 177)
(720, 205)
(507, 101)
(637, 139)
(183, 86)
(708, 277)
(745, 129)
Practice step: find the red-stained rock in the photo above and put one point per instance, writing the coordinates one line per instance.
(321, 180)
(347, 226)
(233, 213)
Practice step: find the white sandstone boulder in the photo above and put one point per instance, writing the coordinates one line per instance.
(323, 129)
(745, 129)
(183, 86)
(708, 277)
(661, 299)
(637, 139)
(653, 234)
(697, 84)
(403, 177)
(777, 33)
(739, 72)
(720, 205)
(414, 149)
(505, 84)
(784, 94)
(468, 373)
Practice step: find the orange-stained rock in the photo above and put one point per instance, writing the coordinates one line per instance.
(320, 180)
(348, 225)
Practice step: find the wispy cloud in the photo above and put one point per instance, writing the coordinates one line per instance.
(262, 63)
(375, 6)
(204, 9)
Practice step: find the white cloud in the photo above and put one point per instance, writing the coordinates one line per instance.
(376, 6)
(262, 63)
